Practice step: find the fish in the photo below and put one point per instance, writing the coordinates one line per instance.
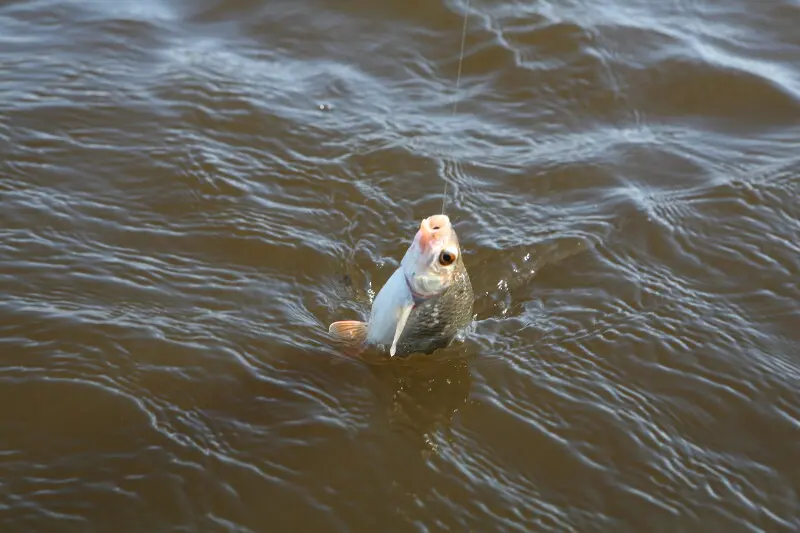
(425, 303)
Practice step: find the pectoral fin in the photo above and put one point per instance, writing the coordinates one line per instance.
(405, 311)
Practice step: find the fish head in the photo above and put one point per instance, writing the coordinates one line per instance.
(430, 262)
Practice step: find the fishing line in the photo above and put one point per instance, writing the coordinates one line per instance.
(455, 93)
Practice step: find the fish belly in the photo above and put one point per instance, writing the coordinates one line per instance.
(386, 309)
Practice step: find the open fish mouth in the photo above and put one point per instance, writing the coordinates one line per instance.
(433, 230)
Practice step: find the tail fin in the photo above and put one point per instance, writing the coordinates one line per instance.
(351, 333)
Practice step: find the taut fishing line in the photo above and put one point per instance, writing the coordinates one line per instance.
(455, 93)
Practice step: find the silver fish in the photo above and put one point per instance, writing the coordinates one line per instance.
(426, 301)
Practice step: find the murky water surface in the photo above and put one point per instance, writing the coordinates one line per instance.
(191, 191)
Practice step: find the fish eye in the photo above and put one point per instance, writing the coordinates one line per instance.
(446, 258)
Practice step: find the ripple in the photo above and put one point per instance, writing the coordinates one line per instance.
(193, 191)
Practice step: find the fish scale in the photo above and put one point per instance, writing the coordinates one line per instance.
(434, 322)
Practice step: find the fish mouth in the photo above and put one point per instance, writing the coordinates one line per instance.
(433, 229)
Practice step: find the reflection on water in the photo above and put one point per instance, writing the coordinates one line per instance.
(422, 397)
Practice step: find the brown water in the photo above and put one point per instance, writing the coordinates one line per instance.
(192, 191)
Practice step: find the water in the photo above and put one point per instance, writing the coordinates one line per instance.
(192, 191)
